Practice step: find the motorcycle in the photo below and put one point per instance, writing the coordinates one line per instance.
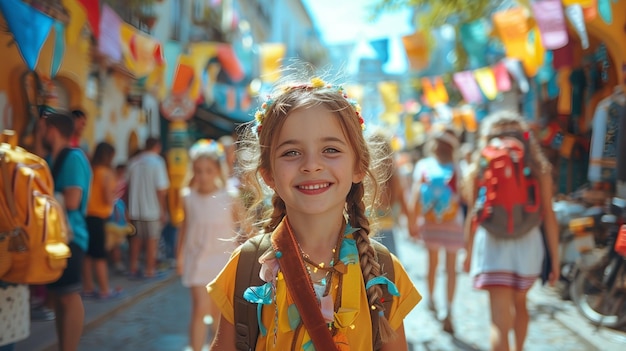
(599, 286)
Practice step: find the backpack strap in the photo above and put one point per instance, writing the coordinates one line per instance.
(248, 268)
(386, 267)
(58, 163)
(246, 327)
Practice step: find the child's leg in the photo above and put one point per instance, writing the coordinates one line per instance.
(433, 261)
(88, 286)
(451, 277)
(520, 326)
(501, 301)
(199, 309)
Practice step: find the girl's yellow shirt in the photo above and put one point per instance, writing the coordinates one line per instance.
(353, 319)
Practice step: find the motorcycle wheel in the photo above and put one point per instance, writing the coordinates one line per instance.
(601, 305)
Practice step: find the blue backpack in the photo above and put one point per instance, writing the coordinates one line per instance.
(438, 199)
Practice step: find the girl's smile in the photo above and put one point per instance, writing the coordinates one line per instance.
(313, 166)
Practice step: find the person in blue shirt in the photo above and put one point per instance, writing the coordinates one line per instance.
(72, 179)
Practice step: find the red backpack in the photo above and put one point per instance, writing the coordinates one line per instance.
(508, 202)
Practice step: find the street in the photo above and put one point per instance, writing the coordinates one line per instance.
(159, 321)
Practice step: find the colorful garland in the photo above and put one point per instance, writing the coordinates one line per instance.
(316, 83)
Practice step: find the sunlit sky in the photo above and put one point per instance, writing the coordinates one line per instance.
(342, 21)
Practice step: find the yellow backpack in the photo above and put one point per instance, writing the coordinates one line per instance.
(33, 225)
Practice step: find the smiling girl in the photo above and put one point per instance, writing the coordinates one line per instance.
(323, 281)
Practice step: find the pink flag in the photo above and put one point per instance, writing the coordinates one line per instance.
(503, 80)
(551, 21)
(109, 43)
(467, 85)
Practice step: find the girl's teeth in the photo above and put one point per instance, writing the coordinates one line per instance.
(314, 187)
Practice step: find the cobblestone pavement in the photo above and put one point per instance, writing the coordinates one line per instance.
(159, 322)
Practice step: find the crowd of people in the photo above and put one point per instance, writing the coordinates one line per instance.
(327, 196)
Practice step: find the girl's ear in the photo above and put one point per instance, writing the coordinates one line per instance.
(267, 177)
(358, 177)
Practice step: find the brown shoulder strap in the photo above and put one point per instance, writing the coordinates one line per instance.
(248, 267)
(300, 287)
(386, 266)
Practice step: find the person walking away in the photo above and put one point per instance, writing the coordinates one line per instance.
(147, 189)
(80, 122)
(205, 238)
(392, 202)
(72, 179)
(99, 209)
(323, 282)
(503, 264)
(437, 217)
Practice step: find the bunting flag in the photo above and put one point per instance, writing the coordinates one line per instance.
(436, 93)
(606, 13)
(535, 53)
(416, 48)
(389, 93)
(590, 12)
(574, 14)
(468, 87)
(59, 48)
(30, 29)
(230, 63)
(271, 56)
(109, 43)
(184, 81)
(503, 80)
(78, 18)
(487, 82)
(551, 21)
(474, 38)
(516, 70)
(141, 52)
(92, 7)
(171, 50)
(513, 29)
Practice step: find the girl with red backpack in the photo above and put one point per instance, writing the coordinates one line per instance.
(509, 193)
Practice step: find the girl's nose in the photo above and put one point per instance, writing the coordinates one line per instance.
(311, 163)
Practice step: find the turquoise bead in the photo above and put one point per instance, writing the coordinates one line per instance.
(279, 254)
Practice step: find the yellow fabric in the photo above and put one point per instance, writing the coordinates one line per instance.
(96, 206)
(139, 50)
(564, 103)
(353, 318)
(78, 18)
(271, 56)
(487, 82)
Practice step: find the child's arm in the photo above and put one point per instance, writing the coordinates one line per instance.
(414, 208)
(399, 343)
(398, 194)
(470, 230)
(180, 242)
(550, 225)
(225, 337)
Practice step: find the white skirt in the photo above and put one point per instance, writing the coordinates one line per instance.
(514, 262)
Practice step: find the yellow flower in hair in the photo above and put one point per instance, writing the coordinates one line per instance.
(258, 116)
(317, 82)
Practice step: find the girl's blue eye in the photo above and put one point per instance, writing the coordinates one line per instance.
(331, 150)
(291, 153)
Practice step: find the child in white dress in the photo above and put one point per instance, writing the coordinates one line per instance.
(205, 240)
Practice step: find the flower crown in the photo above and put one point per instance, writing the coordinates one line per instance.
(316, 83)
(208, 147)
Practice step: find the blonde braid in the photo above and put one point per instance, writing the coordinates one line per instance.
(277, 214)
(368, 258)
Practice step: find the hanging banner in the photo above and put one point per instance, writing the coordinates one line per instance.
(513, 29)
(487, 82)
(551, 22)
(574, 14)
(109, 43)
(185, 81)
(503, 81)
(141, 52)
(30, 29)
(78, 18)
(171, 50)
(416, 49)
(516, 70)
(606, 13)
(474, 38)
(535, 52)
(271, 56)
(230, 63)
(389, 93)
(92, 7)
(434, 92)
(468, 87)
(59, 48)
